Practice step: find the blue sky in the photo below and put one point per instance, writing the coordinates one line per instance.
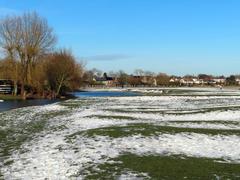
(172, 36)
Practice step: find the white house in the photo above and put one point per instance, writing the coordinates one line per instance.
(219, 80)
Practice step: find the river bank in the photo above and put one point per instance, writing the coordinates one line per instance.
(11, 103)
(8, 102)
(8, 97)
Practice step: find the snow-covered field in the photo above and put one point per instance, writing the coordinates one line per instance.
(96, 138)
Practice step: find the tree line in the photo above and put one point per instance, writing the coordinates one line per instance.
(31, 60)
(148, 78)
(121, 78)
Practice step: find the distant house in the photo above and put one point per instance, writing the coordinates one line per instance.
(6, 86)
(105, 81)
(191, 81)
(238, 81)
(174, 81)
(186, 81)
(197, 81)
(219, 80)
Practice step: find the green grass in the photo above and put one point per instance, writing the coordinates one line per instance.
(83, 103)
(134, 111)
(12, 138)
(157, 167)
(175, 111)
(209, 122)
(167, 167)
(147, 130)
(112, 117)
(14, 135)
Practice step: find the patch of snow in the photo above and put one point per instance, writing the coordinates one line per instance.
(133, 176)
(202, 125)
(52, 158)
(51, 155)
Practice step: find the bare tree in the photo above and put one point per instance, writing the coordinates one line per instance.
(25, 38)
(62, 71)
(163, 79)
(134, 80)
(112, 74)
(97, 72)
(139, 72)
(122, 78)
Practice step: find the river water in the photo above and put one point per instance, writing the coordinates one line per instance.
(104, 94)
(13, 104)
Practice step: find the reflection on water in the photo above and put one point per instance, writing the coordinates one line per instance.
(13, 104)
(104, 94)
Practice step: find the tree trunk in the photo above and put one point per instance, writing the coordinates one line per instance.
(59, 86)
(23, 92)
(15, 89)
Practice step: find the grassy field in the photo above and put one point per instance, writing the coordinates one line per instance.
(142, 137)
